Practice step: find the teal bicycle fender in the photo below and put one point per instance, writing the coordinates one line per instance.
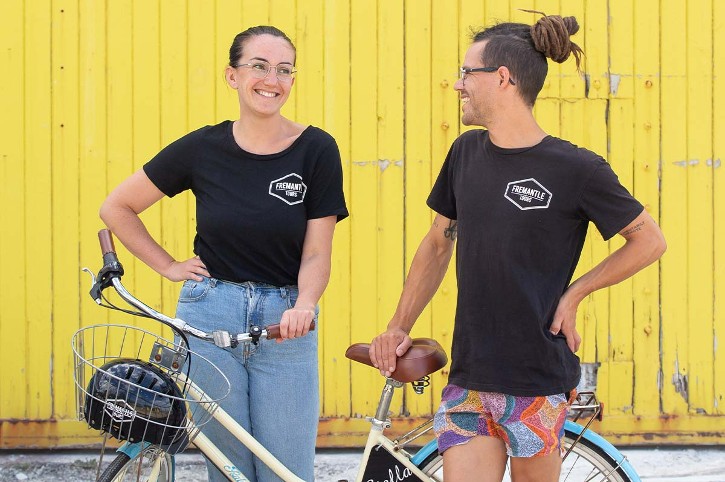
(424, 452)
(607, 447)
(575, 428)
(134, 449)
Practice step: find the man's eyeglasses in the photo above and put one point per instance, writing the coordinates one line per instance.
(260, 69)
(465, 71)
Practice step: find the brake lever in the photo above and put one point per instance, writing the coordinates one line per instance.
(95, 290)
(112, 269)
(93, 276)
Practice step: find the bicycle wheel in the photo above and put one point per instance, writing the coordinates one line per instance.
(152, 465)
(586, 462)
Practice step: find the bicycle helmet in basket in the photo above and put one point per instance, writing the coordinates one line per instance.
(136, 401)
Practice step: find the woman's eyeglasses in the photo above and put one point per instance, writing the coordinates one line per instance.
(260, 69)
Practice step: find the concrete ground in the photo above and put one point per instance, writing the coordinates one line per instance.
(679, 464)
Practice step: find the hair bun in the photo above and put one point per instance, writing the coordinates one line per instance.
(551, 35)
(572, 26)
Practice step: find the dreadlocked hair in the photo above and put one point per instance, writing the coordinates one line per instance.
(552, 37)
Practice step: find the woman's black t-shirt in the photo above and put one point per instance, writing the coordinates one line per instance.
(522, 220)
(252, 210)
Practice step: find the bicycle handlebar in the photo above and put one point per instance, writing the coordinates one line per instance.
(110, 275)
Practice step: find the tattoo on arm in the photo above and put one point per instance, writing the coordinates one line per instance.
(451, 231)
(635, 228)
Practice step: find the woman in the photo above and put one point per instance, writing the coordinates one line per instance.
(268, 194)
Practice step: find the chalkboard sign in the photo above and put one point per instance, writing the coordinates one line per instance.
(383, 467)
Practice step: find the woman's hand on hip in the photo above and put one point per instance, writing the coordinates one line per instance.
(296, 322)
(191, 269)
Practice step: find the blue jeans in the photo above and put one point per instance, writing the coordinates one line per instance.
(274, 386)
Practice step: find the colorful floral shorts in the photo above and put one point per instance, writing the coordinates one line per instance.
(529, 426)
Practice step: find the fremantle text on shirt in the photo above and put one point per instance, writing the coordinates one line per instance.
(528, 194)
(290, 188)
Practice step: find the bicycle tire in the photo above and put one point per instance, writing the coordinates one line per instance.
(586, 462)
(125, 468)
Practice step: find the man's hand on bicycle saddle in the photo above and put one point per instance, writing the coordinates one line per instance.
(387, 347)
(191, 269)
(295, 322)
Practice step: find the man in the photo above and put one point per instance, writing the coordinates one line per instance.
(519, 203)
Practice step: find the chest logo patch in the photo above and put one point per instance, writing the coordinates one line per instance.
(528, 194)
(289, 189)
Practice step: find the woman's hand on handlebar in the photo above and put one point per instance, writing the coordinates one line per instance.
(191, 269)
(296, 322)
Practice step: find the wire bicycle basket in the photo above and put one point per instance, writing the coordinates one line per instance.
(137, 386)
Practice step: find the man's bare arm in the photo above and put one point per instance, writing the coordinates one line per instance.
(427, 270)
(644, 245)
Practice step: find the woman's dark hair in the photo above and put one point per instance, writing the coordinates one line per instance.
(236, 50)
(523, 49)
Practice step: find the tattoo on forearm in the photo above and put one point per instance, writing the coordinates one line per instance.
(451, 231)
(636, 227)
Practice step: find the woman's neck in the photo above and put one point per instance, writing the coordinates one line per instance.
(265, 135)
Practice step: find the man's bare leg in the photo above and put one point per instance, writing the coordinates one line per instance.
(536, 469)
(482, 459)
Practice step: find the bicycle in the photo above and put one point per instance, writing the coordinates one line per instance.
(156, 410)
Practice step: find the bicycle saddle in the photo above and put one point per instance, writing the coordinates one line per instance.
(424, 357)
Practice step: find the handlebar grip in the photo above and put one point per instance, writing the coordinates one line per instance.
(112, 268)
(106, 239)
(273, 330)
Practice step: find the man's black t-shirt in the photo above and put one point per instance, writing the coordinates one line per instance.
(252, 210)
(522, 219)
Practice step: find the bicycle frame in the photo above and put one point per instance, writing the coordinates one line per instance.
(382, 457)
(220, 460)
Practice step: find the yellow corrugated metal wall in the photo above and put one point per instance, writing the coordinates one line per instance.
(92, 89)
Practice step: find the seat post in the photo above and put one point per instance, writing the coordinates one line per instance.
(386, 397)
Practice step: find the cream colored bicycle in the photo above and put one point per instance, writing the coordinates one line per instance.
(138, 387)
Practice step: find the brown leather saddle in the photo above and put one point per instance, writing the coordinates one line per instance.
(424, 357)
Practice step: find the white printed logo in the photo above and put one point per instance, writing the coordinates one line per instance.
(528, 194)
(119, 410)
(289, 189)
